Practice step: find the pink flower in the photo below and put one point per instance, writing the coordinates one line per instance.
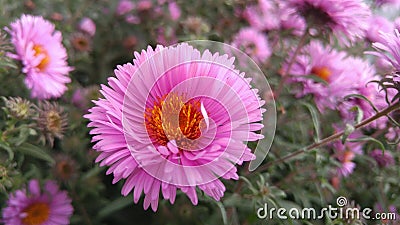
(378, 24)
(174, 10)
(263, 16)
(326, 64)
(40, 207)
(387, 2)
(383, 159)
(39, 47)
(253, 43)
(175, 119)
(346, 19)
(88, 26)
(388, 48)
(124, 7)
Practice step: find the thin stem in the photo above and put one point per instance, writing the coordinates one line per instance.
(291, 62)
(331, 138)
(82, 209)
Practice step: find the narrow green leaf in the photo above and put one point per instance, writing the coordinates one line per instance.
(35, 151)
(367, 138)
(114, 206)
(362, 97)
(8, 149)
(314, 116)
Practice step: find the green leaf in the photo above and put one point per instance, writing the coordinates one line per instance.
(8, 149)
(114, 206)
(35, 151)
(368, 138)
(347, 131)
(362, 97)
(315, 119)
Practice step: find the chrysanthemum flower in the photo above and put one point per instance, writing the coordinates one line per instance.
(273, 15)
(383, 159)
(253, 43)
(376, 25)
(346, 19)
(38, 207)
(388, 48)
(88, 26)
(175, 119)
(39, 47)
(81, 42)
(263, 16)
(326, 64)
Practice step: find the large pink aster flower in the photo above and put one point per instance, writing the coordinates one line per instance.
(175, 119)
(346, 19)
(38, 207)
(254, 43)
(329, 66)
(38, 46)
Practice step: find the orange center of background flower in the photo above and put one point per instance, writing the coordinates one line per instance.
(173, 119)
(322, 72)
(45, 61)
(37, 214)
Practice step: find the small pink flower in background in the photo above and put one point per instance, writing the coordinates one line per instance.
(39, 47)
(328, 65)
(253, 43)
(174, 10)
(132, 19)
(124, 7)
(387, 2)
(263, 16)
(166, 36)
(88, 26)
(393, 133)
(154, 154)
(346, 19)
(383, 159)
(378, 24)
(388, 48)
(34, 206)
(345, 153)
(144, 5)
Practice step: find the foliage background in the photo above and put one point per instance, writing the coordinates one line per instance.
(304, 181)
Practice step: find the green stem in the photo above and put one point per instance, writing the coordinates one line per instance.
(331, 138)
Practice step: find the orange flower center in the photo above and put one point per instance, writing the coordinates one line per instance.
(45, 61)
(348, 156)
(322, 72)
(36, 214)
(173, 119)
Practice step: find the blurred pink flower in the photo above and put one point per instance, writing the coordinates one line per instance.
(383, 159)
(388, 48)
(39, 47)
(329, 65)
(346, 19)
(153, 153)
(39, 207)
(174, 10)
(124, 7)
(387, 2)
(378, 24)
(263, 16)
(253, 43)
(88, 26)
(132, 19)
(144, 5)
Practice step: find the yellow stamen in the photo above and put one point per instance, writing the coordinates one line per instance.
(45, 61)
(173, 119)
